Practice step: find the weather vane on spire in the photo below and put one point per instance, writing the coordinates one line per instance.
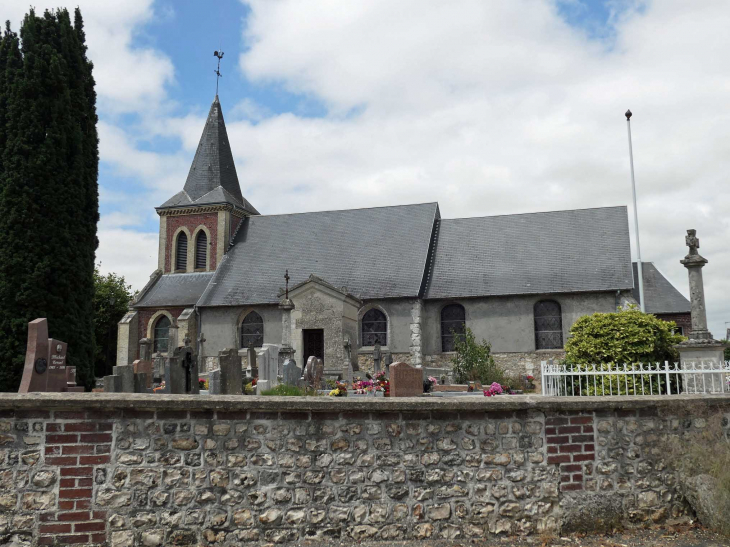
(217, 71)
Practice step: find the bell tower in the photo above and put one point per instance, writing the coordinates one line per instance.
(198, 223)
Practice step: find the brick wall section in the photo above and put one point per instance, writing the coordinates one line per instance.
(683, 320)
(191, 222)
(59, 460)
(570, 443)
(185, 474)
(146, 314)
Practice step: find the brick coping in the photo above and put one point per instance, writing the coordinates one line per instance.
(122, 401)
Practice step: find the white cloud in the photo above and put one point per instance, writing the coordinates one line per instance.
(128, 78)
(498, 107)
(129, 253)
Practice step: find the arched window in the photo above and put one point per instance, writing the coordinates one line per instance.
(374, 328)
(161, 334)
(201, 251)
(181, 252)
(548, 325)
(453, 324)
(252, 331)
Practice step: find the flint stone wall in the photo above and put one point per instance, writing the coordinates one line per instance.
(150, 470)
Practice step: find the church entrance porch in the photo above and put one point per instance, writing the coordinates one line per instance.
(313, 342)
(323, 323)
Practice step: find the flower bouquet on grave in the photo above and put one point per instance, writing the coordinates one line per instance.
(383, 383)
(159, 388)
(529, 382)
(340, 390)
(202, 383)
(428, 384)
(494, 389)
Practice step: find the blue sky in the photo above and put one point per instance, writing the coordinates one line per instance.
(487, 107)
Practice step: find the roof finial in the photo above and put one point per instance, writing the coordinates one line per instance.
(217, 71)
(287, 278)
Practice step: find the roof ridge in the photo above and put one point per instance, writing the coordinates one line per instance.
(540, 212)
(347, 210)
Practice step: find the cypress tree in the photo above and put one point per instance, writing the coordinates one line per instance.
(49, 195)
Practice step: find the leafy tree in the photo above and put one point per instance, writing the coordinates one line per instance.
(48, 191)
(626, 336)
(111, 300)
(473, 361)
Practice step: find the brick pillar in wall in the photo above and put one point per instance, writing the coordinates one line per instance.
(77, 448)
(570, 441)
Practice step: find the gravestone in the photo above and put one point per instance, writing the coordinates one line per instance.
(112, 384)
(214, 382)
(126, 373)
(405, 380)
(231, 375)
(292, 373)
(45, 362)
(71, 381)
(252, 370)
(159, 367)
(183, 372)
(268, 364)
(313, 372)
(145, 349)
(376, 358)
(140, 382)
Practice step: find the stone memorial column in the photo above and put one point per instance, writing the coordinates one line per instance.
(700, 350)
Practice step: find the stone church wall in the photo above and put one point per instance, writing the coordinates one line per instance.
(221, 326)
(151, 470)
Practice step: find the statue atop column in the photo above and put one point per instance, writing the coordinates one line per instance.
(694, 263)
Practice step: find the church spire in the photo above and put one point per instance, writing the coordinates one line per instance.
(212, 178)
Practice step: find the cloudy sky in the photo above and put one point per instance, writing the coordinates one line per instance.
(487, 107)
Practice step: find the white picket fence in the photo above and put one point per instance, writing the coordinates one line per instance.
(699, 377)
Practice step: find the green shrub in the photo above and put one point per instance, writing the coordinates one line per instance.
(473, 361)
(626, 336)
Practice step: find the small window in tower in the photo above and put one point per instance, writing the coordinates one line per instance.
(181, 252)
(201, 251)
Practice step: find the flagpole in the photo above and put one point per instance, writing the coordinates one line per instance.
(636, 217)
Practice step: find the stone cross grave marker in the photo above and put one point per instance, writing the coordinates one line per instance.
(231, 379)
(252, 370)
(376, 357)
(45, 362)
(183, 372)
(292, 373)
(405, 380)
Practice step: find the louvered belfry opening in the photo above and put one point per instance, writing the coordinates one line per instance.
(201, 251)
(181, 252)
(548, 325)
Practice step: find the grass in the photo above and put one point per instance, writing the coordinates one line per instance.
(283, 390)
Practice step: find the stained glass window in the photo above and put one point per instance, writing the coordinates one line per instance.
(453, 324)
(548, 325)
(374, 328)
(161, 334)
(252, 330)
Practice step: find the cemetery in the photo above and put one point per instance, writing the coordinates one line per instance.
(488, 378)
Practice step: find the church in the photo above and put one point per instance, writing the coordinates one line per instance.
(339, 284)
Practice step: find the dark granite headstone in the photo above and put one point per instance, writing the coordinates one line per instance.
(112, 384)
(231, 375)
(140, 382)
(405, 380)
(183, 372)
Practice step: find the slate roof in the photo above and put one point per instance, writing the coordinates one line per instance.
(212, 178)
(175, 290)
(661, 296)
(538, 253)
(374, 253)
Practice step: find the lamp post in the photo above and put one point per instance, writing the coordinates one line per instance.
(636, 217)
